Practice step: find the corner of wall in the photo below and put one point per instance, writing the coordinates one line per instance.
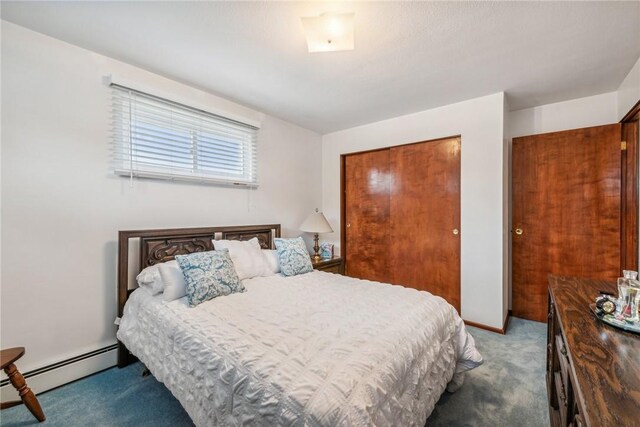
(628, 92)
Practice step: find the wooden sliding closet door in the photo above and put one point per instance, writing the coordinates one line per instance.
(566, 211)
(424, 249)
(366, 205)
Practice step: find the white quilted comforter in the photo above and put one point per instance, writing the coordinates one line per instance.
(312, 350)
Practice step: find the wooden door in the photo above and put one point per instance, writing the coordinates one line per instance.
(424, 249)
(566, 211)
(366, 215)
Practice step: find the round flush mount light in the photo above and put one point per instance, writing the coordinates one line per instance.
(329, 32)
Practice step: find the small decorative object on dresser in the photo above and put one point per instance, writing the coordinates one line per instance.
(331, 265)
(621, 312)
(326, 251)
(316, 223)
(629, 296)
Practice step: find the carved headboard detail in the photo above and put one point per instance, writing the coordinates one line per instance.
(154, 251)
(164, 244)
(161, 248)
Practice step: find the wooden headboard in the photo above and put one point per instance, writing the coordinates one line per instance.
(164, 244)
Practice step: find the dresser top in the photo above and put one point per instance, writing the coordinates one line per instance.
(605, 360)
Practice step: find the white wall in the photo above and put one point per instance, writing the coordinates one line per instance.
(62, 209)
(577, 113)
(480, 122)
(629, 91)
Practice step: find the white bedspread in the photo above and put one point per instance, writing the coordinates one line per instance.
(312, 350)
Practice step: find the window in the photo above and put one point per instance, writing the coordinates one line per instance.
(157, 138)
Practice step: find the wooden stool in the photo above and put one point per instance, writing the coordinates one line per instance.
(7, 357)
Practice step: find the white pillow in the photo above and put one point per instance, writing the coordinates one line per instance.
(273, 260)
(148, 275)
(173, 280)
(247, 257)
(150, 279)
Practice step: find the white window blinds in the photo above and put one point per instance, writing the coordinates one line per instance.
(158, 138)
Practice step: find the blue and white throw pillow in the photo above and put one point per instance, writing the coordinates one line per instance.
(294, 257)
(208, 275)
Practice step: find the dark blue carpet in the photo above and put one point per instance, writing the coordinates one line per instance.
(115, 397)
(508, 390)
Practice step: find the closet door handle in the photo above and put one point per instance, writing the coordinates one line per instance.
(348, 225)
(519, 231)
(456, 231)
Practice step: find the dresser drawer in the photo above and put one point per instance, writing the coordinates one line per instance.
(331, 265)
(332, 269)
(563, 404)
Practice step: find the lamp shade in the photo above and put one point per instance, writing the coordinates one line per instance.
(316, 223)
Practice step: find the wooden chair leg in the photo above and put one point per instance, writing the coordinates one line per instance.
(27, 396)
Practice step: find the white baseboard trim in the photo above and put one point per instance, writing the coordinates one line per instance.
(52, 376)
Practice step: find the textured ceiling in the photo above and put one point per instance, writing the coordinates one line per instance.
(409, 56)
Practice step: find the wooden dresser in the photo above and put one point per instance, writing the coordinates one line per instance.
(593, 369)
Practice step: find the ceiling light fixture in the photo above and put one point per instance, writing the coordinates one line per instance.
(329, 32)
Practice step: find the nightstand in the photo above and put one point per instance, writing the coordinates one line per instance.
(332, 265)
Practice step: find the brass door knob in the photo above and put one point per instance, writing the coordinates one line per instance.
(519, 231)
(456, 231)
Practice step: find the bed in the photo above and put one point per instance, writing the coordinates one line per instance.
(317, 349)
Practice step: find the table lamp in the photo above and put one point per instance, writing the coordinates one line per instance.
(316, 223)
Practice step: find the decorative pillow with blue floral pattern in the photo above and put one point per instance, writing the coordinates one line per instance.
(208, 275)
(294, 257)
